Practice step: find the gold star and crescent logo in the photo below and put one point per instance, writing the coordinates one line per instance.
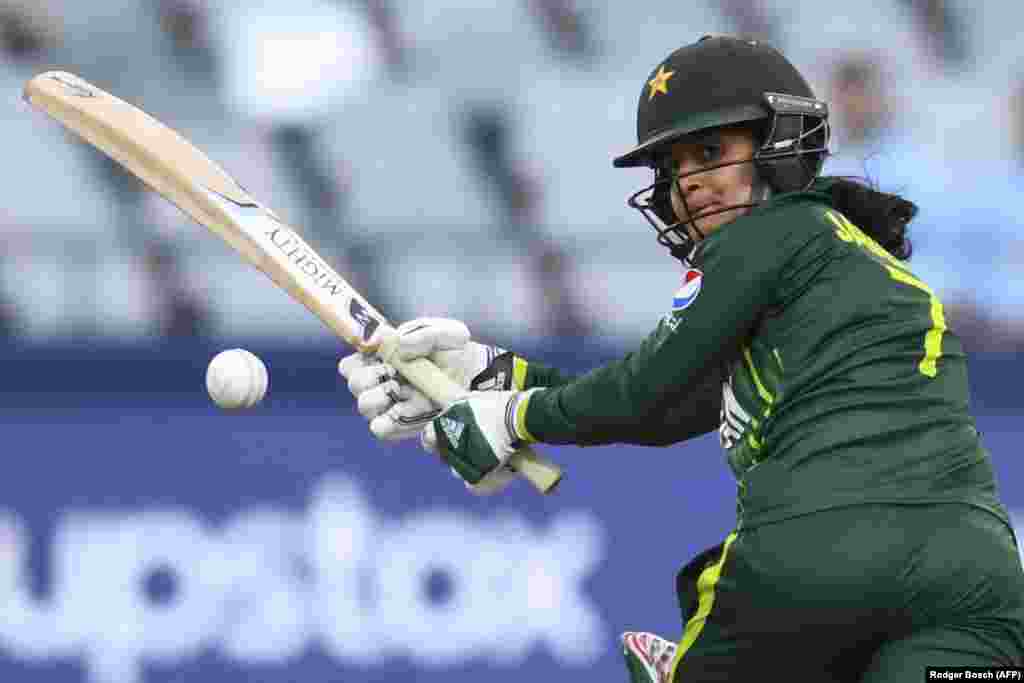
(659, 84)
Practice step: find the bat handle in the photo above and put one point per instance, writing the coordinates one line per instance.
(543, 474)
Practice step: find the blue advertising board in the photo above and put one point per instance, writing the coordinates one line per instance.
(146, 537)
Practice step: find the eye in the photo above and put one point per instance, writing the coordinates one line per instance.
(710, 153)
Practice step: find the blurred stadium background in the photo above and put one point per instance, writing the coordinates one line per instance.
(454, 158)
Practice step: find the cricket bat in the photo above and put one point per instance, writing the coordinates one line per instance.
(186, 177)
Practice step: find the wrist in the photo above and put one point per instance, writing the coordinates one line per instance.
(515, 417)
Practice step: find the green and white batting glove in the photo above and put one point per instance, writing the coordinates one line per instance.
(478, 434)
(648, 657)
(397, 410)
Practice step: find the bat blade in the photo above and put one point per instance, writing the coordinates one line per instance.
(173, 167)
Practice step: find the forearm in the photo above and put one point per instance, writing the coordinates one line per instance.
(698, 413)
(695, 413)
(667, 391)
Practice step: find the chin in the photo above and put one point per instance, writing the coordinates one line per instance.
(712, 223)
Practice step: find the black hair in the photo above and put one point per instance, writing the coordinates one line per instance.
(882, 215)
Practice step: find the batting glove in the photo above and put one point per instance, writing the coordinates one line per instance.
(395, 409)
(478, 434)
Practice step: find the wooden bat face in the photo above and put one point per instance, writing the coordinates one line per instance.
(201, 188)
(290, 251)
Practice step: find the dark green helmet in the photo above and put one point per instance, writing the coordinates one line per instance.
(720, 81)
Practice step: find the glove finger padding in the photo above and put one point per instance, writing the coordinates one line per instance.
(379, 399)
(422, 337)
(448, 344)
(395, 409)
(355, 362)
(406, 418)
(365, 375)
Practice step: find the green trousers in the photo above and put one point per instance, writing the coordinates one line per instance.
(871, 593)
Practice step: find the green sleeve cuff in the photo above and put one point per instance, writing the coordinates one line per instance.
(534, 375)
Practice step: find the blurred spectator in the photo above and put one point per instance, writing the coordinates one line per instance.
(750, 18)
(179, 311)
(27, 32)
(569, 31)
(983, 329)
(1016, 122)
(862, 109)
(486, 128)
(871, 136)
(992, 188)
(959, 239)
(392, 44)
(562, 314)
(9, 319)
(943, 31)
(987, 309)
(186, 24)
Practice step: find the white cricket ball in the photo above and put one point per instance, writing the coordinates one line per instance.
(236, 379)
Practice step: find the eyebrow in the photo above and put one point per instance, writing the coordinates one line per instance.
(712, 137)
(702, 138)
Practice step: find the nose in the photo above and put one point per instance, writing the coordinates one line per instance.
(688, 172)
(688, 185)
(683, 192)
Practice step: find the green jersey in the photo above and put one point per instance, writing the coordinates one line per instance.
(826, 365)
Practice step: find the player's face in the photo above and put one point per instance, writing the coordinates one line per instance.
(703, 193)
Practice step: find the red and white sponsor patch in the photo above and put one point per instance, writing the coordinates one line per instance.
(693, 279)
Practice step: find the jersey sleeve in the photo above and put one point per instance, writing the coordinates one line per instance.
(697, 414)
(739, 267)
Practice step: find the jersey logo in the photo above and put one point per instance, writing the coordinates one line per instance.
(735, 420)
(685, 295)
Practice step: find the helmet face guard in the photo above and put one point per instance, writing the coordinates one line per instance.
(789, 156)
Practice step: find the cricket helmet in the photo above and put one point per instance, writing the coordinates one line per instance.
(722, 81)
